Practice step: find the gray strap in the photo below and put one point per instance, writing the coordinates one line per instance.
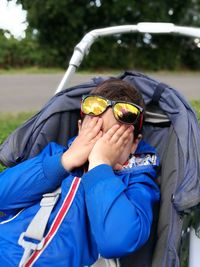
(101, 262)
(158, 92)
(153, 117)
(37, 226)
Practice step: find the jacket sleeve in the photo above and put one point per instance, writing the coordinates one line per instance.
(25, 183)
(120, 215)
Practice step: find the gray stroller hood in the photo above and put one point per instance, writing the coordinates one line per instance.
(187, 133)
(170, 125)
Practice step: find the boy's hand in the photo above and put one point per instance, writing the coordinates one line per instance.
(81, 147)
(112, 146)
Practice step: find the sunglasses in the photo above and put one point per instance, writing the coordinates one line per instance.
(124, 112)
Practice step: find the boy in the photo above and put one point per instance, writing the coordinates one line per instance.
(111, 214)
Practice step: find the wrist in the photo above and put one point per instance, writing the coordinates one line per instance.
(97, 162)
(67, 162)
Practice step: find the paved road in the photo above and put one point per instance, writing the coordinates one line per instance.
(29, 92)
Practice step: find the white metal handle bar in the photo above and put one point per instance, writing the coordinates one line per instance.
(83, 47)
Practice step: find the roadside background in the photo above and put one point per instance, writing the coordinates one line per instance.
(49, 33)
(29, 92)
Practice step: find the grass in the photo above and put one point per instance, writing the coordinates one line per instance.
(9, 122)
(31, 70)
(196, 105)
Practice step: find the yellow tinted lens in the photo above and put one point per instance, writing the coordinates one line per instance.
(93, 105)
(126, 113)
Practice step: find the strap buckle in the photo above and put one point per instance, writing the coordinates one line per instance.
(29, 248)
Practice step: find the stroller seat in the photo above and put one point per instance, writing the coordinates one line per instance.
(170, 125)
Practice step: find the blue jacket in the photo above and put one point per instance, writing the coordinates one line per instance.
(111, 214)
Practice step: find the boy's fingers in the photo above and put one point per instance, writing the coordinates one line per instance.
(99, 135)
(85, 122)
(93, 121)
(109, 134)
(121, 134)
(95, 128)
(91, 126)
(126, 135)
(89, 121)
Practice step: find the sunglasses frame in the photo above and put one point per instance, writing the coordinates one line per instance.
(112, 103)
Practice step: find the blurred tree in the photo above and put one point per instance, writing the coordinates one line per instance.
(59, 26)
(22, 53)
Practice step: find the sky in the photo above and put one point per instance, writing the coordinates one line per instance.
(12, 18)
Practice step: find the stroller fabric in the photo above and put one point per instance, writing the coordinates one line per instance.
(177, 140)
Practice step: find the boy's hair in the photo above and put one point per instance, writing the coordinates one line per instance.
(119, 90)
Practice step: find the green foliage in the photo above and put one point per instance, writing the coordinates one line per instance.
(16, 54)
(23, 53)
(196, 105)
(55, 27)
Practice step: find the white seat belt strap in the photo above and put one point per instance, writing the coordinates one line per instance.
(33, 250)
(36, 229)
